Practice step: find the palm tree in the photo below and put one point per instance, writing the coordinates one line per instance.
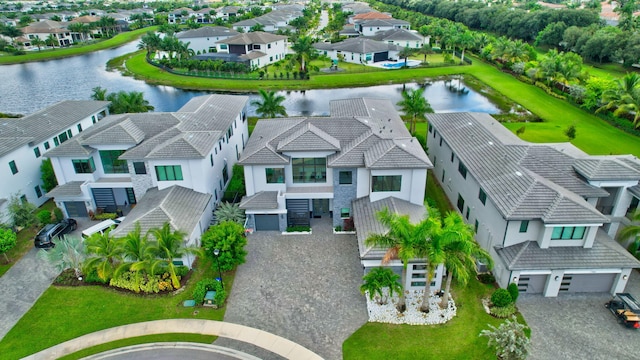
(626, 86)
(464, 40)
(304, 50)
(415, 105)
(405, 53)
(271, 104)
(105, 254)
(229, 212)
(461, 253)
(168, 246)
(150, 42)
(11, 31)
(99, 93)
(52, 41)
(36, 41)
(379, 278)
(425, 50)
(69, 253)
(401, 242)
(136, 249)
(128, 102)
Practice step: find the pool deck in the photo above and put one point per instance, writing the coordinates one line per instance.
(381, 64)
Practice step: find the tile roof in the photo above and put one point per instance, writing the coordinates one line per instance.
(396, 34)
(606, 168)
(372, 15)
(46, 123)
(206, 31)
(524, 181)
(358, 45)
(68, 190)
(182, 208)
(260, 200)
(367, 224)
(382, 22)
(381, 133)
(125, 132)
(256, 37)
(605, 253)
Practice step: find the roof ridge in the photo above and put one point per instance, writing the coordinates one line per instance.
(518, 254)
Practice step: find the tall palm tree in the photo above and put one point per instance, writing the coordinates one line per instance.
(99, 93)
(128, 102)
(11, 31)
(464, 40)
(304, 50)
(105, 254)
(415, 105)
(402, 241)
(405, 53)
(461, 253)
(36, 41)
(271, 104)
(425, 50)
(150, 42)
(169, 245)
(52, 41)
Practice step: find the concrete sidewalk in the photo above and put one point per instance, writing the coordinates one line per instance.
(21, 287)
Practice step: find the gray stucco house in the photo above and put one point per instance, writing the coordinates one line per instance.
(547, 213)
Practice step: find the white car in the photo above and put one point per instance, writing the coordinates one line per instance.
(101, 227)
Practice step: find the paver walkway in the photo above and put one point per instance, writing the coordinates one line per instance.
(304, 288)
(578, 326)
(21, 287)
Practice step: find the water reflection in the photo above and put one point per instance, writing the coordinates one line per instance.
(25, 88)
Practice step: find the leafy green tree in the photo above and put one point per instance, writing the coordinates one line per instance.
(21, 212)
(401, 242)
(425, 50)
(128, 102)
(271, 104)
(379, 278)
(69, 253)
(44, 217)
(464, 41)
(169, 245)
(104, 254)
(509, 339)
(570, 132)
(11, 32)
(551, 35)
(47, 175)
(229, 212)
(7, 241)
(415, 105)
(460, 253)
(256, 27)
(229, 238)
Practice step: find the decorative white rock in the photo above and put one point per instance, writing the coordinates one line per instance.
(387, 313)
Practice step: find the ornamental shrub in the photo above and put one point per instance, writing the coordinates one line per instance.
(486, 278)
(503, 312)
(501, 298)
(140, 282)
(513, 291)
(44, 217)
(205, 285)
(57, 212)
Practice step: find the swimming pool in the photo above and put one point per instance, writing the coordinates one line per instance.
(398, 65)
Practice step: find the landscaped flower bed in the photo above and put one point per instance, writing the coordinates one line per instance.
(387, 313)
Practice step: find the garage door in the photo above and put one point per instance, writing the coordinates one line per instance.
(381, 56)
(267, 223)
(76, 208)
(532, 284)
(576, 283)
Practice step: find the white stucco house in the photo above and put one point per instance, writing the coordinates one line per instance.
(42, 30)
(345, 167)
(158, 167)
(401, 37)
(205, 39)
(258, 48)
(25, 140)
(359, 50)
(371, 27)
(545, 212)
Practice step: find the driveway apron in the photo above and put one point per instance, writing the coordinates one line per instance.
(302, 287)
(578, 326)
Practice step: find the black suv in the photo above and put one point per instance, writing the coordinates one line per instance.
(44, 238)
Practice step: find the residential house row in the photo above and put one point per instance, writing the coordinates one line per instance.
(547, 213)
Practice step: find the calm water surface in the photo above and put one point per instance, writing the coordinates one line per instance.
(25, 88)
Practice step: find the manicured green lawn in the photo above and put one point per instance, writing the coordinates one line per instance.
(64, 313)
(58, 53)
(457, 339)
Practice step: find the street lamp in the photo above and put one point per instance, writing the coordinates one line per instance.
(216, 252)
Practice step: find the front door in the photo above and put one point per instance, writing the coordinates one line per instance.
(320, 207)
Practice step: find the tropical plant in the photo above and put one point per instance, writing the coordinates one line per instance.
(513, 291)
(404, 54)
(415, 105)
(69, 253)
(379, 278)
(39, 43)
(44, 217)
(150, 42)
(99, 93)
(271, 104)
(509, 339)
(229, 239)
(305, 51)
(401, 242)
(48, 176)
(229, 212)
(632, 231)
(136, 252)
(501, 298)
(169, 245)
(21, 212)
(461, 252)
(104, 254)
(128, 102)
(7, 241)
(52, 41)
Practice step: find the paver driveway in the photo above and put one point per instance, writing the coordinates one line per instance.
(578, 326)
(302, 287)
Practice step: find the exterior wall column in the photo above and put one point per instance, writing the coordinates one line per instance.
(620, 281)
(619, 210)
(552, 287)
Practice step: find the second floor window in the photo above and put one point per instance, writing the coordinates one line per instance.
(169, 173)
(462, 169)
(275, 175)
(309, 170)
(482, 196)
(568, 233)
(225, 173)
(84, 166)
(13, 167)
(346, 178)
(111, 164)
(386, 183)
(139, 168)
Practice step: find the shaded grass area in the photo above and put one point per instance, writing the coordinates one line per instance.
(456, 339)
(80, 49)
(64, 313)
(197, 338)
(24, 242)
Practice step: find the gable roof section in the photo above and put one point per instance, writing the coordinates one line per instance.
(260, 200)
(207, 31)
(182, 208)
(256, 37)
(125, 132)
(69, 190)
(397, 153)
(185, 145)
(605, 168)
(396, 34)
(358, 45)
(512, 172)
(308, 137)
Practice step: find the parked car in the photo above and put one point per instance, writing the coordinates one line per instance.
(44, 238)
(101, 227)
(626, 309)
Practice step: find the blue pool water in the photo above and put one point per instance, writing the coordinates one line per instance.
(398, 65)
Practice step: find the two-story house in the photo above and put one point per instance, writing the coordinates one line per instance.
(371, 27)
(401, 37)
(172, 166)
(347, 166)
(25, 140)
(46, 28)
(205, 39)
(545, 212)
(258, 48)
